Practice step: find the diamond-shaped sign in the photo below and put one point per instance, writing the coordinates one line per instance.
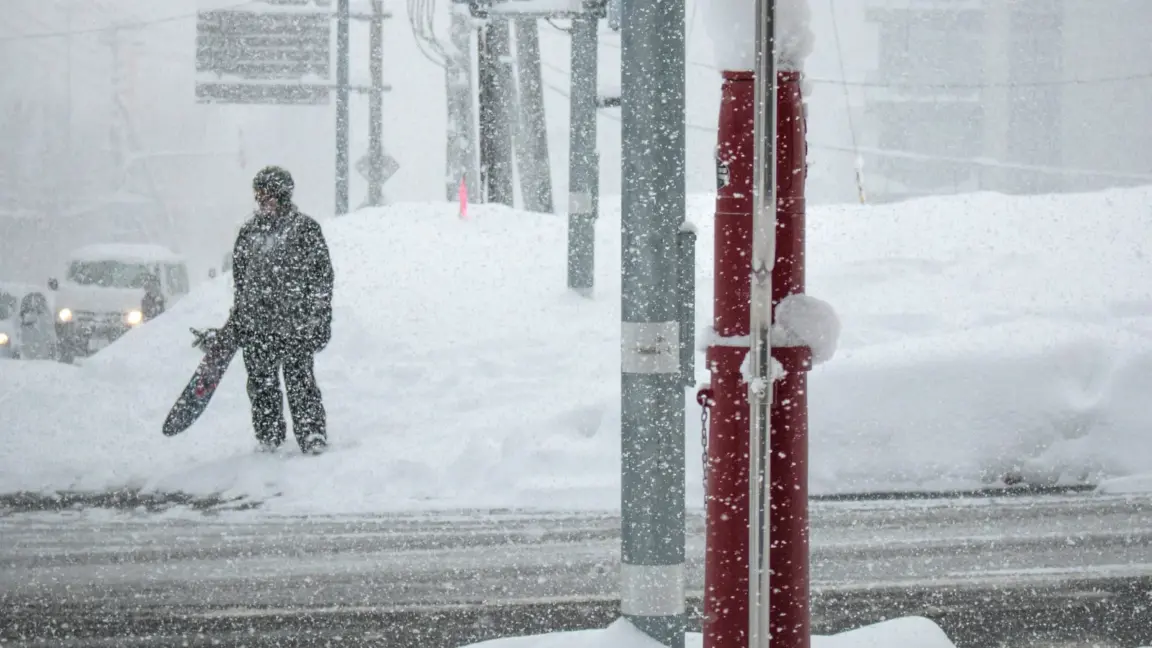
(380, 172)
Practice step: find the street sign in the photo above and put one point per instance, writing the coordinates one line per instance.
(380, 172)
(281, 94)
(290, 46)
(269, 46)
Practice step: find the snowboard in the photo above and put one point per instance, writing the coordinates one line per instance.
(218, 353)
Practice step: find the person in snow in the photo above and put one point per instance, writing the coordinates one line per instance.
(153, 303)
(282, 312)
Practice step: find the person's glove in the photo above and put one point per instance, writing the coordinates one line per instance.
(315, 336)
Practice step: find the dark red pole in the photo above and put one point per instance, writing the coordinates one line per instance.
(788, 420)
(726, 560)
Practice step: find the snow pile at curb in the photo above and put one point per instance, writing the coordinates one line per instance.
(908, 632)
(455, 375)
(979, 336)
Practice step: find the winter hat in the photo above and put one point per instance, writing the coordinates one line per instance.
(274, 181)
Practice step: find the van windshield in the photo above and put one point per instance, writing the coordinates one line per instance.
(109, 274)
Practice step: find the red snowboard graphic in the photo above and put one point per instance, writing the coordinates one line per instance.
(192, 402)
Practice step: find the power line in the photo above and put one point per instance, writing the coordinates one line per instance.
(910, 155)
(553, 25)
(420, 21)
(859, 165)
(945, 85)
(127, 25)
(977, 86)
(986, 162)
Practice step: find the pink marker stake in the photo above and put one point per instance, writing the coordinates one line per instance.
(462, 196)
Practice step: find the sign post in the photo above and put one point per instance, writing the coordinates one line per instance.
(282, 55)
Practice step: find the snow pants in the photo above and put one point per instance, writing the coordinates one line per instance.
(309, 422)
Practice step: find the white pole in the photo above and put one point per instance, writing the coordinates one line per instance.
(763, 260)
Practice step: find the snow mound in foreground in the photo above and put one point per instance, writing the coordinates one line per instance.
(980, 336)
(459, 369)
(908, 632)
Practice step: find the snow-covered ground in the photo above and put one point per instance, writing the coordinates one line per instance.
(909, 632)
(981, 335)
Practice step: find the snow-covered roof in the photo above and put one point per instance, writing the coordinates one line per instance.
(113, 200)
(130, 252)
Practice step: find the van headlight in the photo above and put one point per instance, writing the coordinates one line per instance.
(133, 317)
(3, 339)
(65, 315)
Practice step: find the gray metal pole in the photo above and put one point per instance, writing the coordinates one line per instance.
(532, 131)
(495, 110)
(462, 160)
(376, 107)
(652, 398)
(342, 56)
(583, 167)
(763, 260)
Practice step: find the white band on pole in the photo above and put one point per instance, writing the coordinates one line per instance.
(579, 202)
(650, 347)
(651, 590)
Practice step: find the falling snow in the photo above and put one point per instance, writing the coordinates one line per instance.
(977, 305)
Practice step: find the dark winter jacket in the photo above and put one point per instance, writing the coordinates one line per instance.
(282, 283)
(153, 303)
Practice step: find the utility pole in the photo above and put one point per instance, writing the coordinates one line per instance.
(461, 130)
(376, 106)
(342, 117)
(495, 127)
(532, 160)
(70, 163)
(756, 571)
(583, 165)
(652, 395)
(125, 137)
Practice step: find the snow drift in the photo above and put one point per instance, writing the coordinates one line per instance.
(906, 632)
(980, 335)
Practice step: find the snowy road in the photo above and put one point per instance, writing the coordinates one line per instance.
(102, 574)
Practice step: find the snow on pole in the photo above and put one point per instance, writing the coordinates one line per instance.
(732, 28)
(794, 38)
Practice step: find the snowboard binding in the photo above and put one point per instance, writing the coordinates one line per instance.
(204, 339)
(207, 340)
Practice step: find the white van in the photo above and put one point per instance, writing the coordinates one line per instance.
(102, 294)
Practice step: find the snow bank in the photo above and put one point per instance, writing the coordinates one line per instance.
(732, 28)
(455, 374)
(1126, 485)
(980, 335)
(909, 632)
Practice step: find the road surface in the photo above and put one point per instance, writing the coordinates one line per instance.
(1029, 571)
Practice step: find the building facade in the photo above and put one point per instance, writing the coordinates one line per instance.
(1015, 96)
